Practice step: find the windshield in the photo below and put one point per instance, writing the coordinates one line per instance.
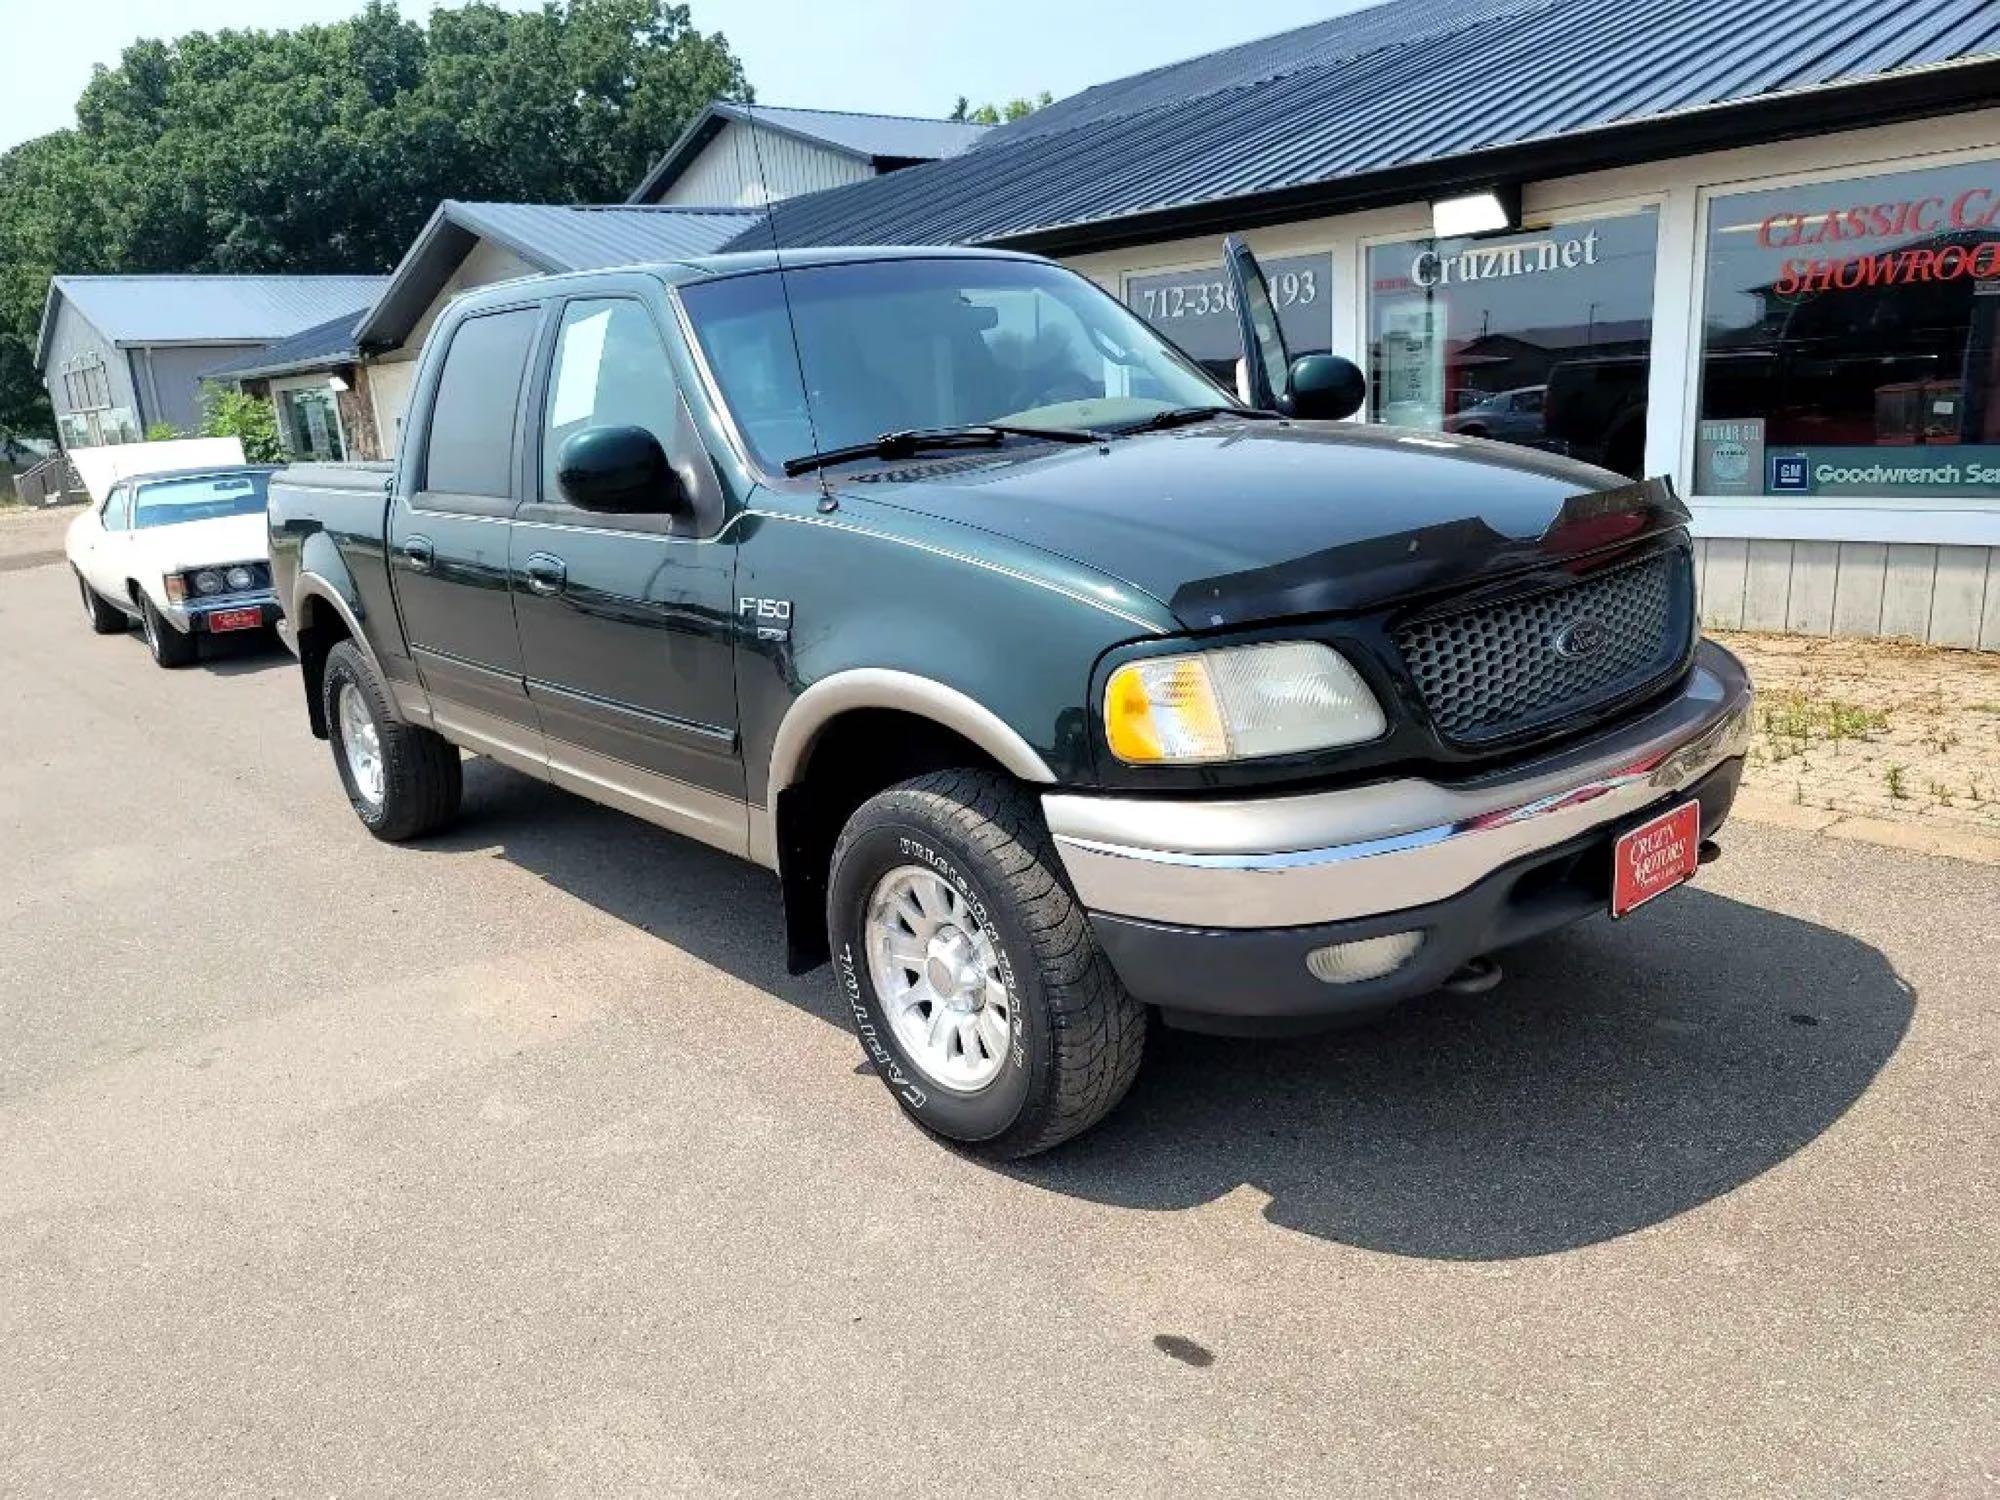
(893, 345)
(203, 497)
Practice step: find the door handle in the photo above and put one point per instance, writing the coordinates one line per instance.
(419, 553)
(547, 573)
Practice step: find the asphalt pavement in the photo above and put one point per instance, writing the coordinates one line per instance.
(512, 1163)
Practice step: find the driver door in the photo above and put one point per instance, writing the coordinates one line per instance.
(106, 543)
(1264, 373)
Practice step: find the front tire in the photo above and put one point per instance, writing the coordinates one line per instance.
(977, 988)
(402, 780)
(170, 647)
(105, 617)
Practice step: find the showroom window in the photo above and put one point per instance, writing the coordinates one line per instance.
(1196, 310)
(1849, 338)
(1542, 338)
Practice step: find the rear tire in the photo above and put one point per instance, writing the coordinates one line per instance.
(170, 647)
(947, 891)
(402, 780)
(105, 617)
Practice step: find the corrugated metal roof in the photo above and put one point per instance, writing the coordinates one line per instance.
(897, 139)
(175, 309)
(1380, 91)
(550, 237)
(891, 137)
(323, 344)
(583, 238)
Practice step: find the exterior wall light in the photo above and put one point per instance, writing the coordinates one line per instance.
(1476, 213)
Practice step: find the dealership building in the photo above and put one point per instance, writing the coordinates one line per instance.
(1754, 247)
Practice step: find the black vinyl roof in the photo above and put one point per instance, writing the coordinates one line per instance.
(1412, 98)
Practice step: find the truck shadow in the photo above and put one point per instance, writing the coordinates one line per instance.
(1617, 1078)
(245, 655)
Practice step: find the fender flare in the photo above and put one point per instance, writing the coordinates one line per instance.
(316, 586)
(880, 687)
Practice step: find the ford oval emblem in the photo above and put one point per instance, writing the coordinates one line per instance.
(1580, 640)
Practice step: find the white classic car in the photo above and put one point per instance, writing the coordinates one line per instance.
(184, 553)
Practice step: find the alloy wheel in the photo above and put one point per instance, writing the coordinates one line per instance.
(937, 972)
(361, 744)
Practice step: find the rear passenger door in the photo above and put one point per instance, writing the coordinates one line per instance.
(627, 620)
(449, 534)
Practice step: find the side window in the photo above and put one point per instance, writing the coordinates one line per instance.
(610, 370)
(470, 451)
(118, 508)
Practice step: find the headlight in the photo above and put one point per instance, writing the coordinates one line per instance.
(1238, 703)
(240, 578)
(208, 581)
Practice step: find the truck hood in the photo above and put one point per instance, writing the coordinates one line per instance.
(1233, 522)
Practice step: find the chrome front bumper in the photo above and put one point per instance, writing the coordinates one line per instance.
(1336, 856)
(192, 614)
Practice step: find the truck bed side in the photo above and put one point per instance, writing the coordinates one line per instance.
(329, 565)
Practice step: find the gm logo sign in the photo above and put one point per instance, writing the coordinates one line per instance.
(1790, 473)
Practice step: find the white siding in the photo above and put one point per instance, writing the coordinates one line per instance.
(390, 376)
(726, 174)
(1946, 596)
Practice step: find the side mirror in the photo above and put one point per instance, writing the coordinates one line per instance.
(618, 471)
(1325, 387)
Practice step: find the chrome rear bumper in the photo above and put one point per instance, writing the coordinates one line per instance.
(1390, 846)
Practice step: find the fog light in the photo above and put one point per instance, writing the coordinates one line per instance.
(1367, 958)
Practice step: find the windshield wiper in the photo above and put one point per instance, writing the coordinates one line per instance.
(911, 440)
(1181, 416)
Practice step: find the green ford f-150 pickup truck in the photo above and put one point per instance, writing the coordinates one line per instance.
(1060, 687)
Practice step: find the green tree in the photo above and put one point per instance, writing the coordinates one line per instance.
(238, 414)
(1012, 110)
(327, 147)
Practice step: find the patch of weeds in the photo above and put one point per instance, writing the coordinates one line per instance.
(1941, 794)
(1787, 724)
(1894, 777)
(1849, 721)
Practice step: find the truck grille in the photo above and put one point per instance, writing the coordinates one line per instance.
(1508, 668)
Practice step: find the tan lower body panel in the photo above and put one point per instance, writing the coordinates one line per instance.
(712, 817)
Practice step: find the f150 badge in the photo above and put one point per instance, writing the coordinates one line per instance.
(771, 618)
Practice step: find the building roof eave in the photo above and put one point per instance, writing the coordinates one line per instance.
(1888, 99)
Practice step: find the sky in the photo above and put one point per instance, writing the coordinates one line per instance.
(891, 56)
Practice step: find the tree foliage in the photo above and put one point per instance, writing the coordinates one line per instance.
(326, 148)
(238, 414)
(1008, 113)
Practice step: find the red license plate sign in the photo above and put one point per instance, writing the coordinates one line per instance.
(1655, 857)
(236, 619)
